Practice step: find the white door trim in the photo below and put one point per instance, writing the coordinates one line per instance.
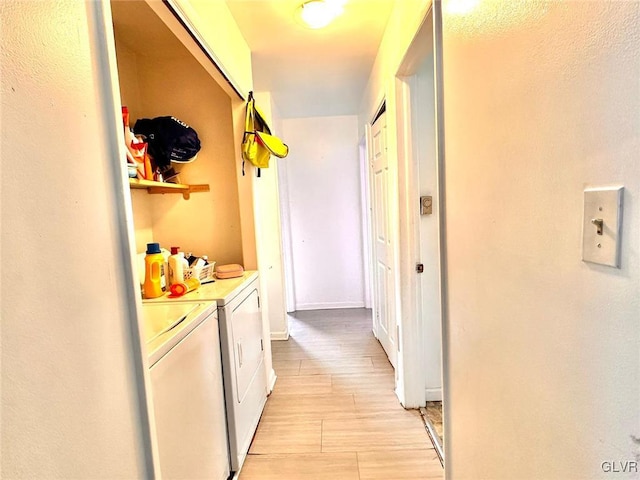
(412, 379)
(441, 172)
(372, 270)
(365, 200)
(100, 24)
(285, 222)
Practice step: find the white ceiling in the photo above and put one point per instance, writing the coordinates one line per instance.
(312, 72)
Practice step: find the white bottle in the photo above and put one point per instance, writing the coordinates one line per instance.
(177, 265)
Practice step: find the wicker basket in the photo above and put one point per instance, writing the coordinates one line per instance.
(204, 274)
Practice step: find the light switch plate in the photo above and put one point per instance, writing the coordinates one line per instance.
(602, 207)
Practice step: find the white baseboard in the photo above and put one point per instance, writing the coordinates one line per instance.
(272, 380)
(279, 335)
(433, 394)
(329, 305)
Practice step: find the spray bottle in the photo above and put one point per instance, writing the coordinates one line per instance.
(177, 266)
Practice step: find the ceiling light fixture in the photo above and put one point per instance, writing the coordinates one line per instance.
(320, 13)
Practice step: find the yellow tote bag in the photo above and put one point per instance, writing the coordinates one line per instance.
(258, 144)
(273, 144)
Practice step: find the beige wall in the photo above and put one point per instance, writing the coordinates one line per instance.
(405, 20)
(71, 369)
(208, 223)
(541, 99)
(73, 401)
(220, 34)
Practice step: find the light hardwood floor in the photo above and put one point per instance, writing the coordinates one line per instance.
(333, 413)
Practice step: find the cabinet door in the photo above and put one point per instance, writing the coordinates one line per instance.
(188, 403)
(246, 331)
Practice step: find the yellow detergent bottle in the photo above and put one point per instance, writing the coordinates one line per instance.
(153, 271)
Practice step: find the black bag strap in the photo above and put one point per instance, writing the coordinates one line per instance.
(251, 115)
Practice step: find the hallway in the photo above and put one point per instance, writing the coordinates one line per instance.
(333, 413)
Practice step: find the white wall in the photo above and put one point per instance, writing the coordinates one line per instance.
(268, 229)
(70, 406)
(323, 195)
(541, 99)
(269, 245)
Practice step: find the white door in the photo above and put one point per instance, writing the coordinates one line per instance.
(384, 320)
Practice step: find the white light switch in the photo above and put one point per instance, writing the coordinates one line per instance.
(601, 225)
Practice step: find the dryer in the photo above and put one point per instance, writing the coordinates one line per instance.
(242, 347)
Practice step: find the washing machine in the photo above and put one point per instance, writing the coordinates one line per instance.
(186, 389)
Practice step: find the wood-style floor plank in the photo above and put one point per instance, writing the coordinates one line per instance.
(400, 465)
(373, 404)
(287, 437)
(373, 384)
(367, 346)
(304, 408)
(336, 366)
(286, 368)
(333, 413)
(381, 362)
(374, 433)
(304, 385)
(321, 466)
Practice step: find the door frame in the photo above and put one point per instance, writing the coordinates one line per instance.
(410, 384)
(287, 248)
(414, 325)
(101, 30)
(412, 328)
(438, 77)
(365, 201)
(409, 381)
(368, 207)
(412, 380)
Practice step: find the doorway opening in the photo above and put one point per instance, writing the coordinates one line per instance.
(407, 306)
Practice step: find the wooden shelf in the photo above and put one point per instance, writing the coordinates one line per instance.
(160, 187)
